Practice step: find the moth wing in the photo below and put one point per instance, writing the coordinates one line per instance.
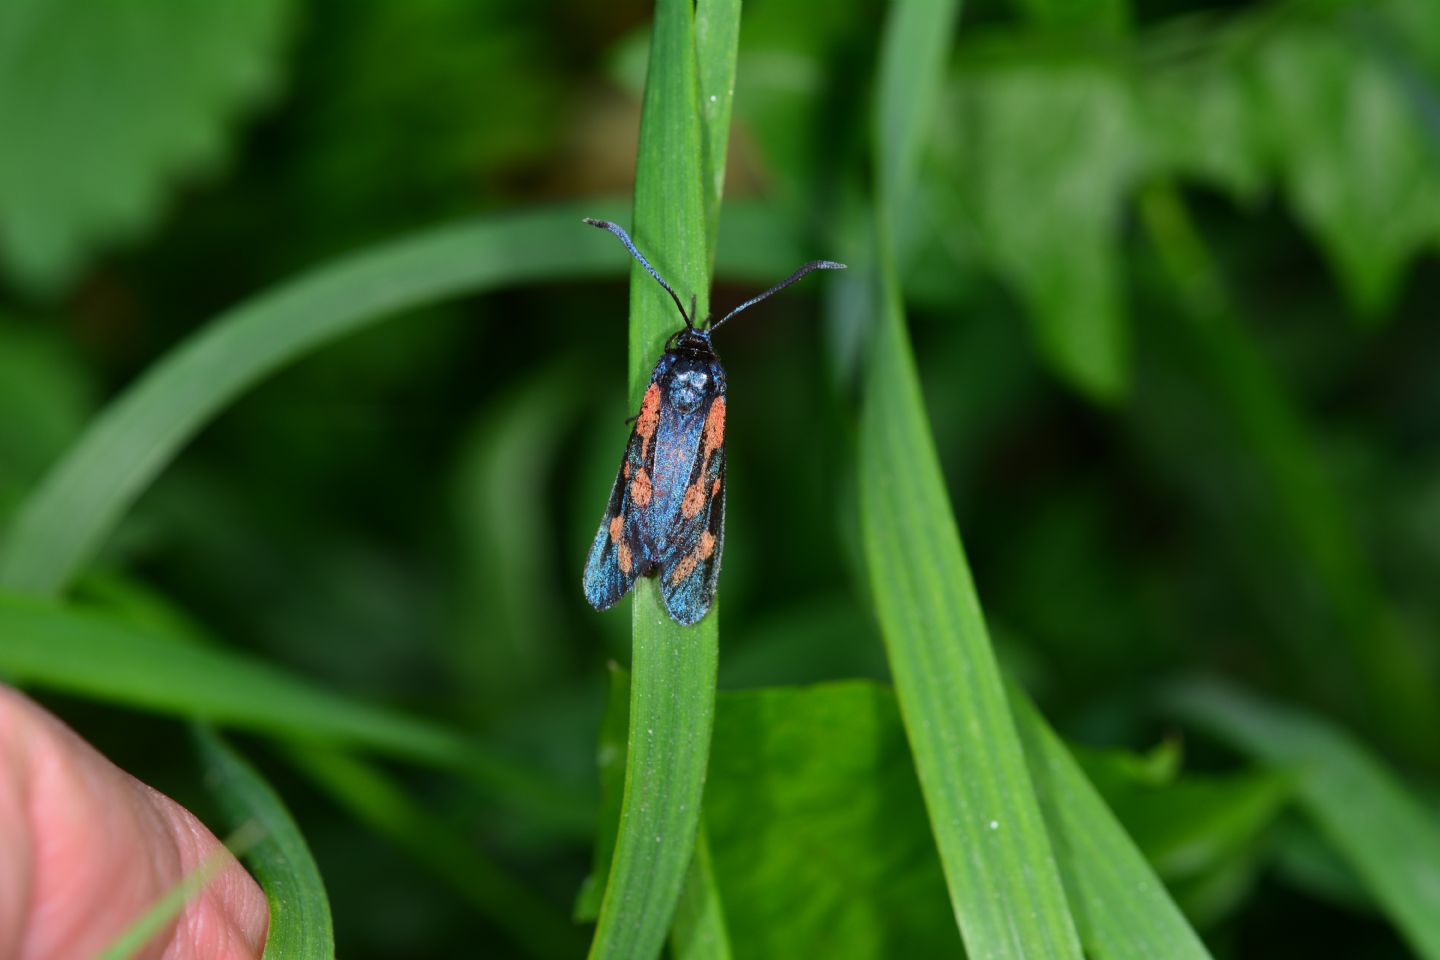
(616, 556)
(690, 564)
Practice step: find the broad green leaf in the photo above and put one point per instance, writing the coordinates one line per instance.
(1385, 833)
(1047, 150)
(1004, 886)
(699, 931)
(819, 837)
(673, 668)
(300, 924)
(1122, 909)
(106, 105)
(51, 647)
(534, 924)
(1200, 119)
(66, 520)
(1356, 162)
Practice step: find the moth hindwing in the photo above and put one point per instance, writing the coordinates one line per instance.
(666, 513)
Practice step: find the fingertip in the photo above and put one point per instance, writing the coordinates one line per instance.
(230, 918)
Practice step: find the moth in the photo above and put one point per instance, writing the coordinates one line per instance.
(666, 513)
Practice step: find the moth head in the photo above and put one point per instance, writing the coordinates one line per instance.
(690, 339)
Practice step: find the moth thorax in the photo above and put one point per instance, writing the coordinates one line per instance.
(689, 385)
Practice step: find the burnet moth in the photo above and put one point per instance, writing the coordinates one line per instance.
(666, 513)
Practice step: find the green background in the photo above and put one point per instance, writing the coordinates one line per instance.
(1169, 272)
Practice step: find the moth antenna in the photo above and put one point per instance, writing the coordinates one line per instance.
(812, 265)
(625, 239)
(689, 321)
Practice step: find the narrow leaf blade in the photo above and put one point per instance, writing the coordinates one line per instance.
(300, 924)
(46, 645)
(672, 703)
(1004, 884)
(1387, 836)
(1122, 909)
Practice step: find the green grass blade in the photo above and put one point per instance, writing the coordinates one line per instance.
(672, 697)
(1121, 907)
(64, 522)
(1388, 836)
(717, 43)
(917, 38)
(533, 923)
(1004, 884)
(698, 930)
(300, 924)
(45, 645)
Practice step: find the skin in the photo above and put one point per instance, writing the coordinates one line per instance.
(85, 849)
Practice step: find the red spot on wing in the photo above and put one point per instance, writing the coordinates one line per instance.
(694, 558)
(715, 426)
(640, 489)
(683, 569)
(649, 418)
(694, 500)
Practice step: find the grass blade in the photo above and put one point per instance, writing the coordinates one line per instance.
(672, 696)
(717, 43)
(300, 924)
(1004, 884)
(1121, 907)
(46, 645)
(64, 522)
(1388, 837)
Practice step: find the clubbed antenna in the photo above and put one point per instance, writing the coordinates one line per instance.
(625, 239)
(812, 265)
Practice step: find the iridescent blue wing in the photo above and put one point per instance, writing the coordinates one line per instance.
(690, 559)
(618, 554)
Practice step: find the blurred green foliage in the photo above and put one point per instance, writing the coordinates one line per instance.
(1170, 273)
